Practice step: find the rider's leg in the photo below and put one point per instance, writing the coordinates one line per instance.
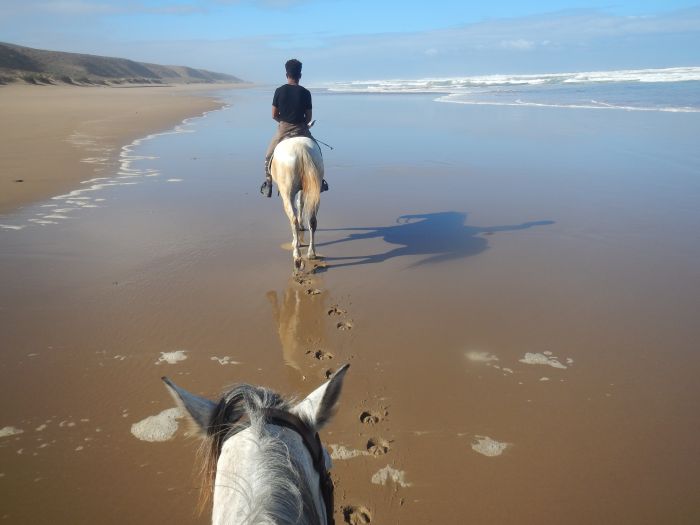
(266, 188)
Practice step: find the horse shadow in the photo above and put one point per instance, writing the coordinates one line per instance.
(440, 237)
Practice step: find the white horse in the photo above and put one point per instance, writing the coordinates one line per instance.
(297, 169)
(263, 455)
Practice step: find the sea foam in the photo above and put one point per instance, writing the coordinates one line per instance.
(488, 447)
(161, 427)
(10, 431)
(669, 90)
(172, 357)
(455, 84)
(382, 476)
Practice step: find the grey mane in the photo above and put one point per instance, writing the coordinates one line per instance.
(282, 493)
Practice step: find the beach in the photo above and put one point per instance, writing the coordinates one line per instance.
(515, 289)
(57, 136)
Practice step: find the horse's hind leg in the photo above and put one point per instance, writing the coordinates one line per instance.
(294, 223)
(311, 253)
(300, 211)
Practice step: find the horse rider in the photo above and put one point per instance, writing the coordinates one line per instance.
(291, 107)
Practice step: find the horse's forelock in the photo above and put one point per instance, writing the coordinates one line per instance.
(241, 407)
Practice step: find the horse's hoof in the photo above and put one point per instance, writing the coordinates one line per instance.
(299, 263)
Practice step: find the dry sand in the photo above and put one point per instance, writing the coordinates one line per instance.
(53, 137)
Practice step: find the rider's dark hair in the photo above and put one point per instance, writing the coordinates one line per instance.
(293, 68)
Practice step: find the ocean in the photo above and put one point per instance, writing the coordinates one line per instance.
(670, 89)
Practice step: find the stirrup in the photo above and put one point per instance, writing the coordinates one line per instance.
(266, 188)
(324, 185)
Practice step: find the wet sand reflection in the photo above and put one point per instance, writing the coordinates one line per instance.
(300, 314)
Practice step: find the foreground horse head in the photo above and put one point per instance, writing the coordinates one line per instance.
(263, 455)
(297, 169)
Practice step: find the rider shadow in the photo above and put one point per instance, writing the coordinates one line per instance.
(441, 237)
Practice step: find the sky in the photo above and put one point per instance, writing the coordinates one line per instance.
(366, 39)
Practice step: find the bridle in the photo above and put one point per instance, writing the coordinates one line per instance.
(312, 442)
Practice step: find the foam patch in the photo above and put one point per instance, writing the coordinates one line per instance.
(486, 446)
(10, 431)
(382, 476)
(341, 452)
(481, 357)
(172, 357)
(543, 359)
(226, 360)
(158, 428)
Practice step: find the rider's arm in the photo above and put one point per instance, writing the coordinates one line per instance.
(307, 116)
(276, 113)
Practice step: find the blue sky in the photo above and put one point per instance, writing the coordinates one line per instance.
(363, 39)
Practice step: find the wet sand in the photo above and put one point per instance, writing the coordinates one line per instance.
(516, 291)
(53, 137)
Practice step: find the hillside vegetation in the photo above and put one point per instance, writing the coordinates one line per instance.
(38, 66)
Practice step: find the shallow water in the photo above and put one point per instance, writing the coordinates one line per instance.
(467, 249)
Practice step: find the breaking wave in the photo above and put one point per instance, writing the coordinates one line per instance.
(456, 84)
(675, 89)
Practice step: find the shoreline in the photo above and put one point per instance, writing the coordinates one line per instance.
(80, 132)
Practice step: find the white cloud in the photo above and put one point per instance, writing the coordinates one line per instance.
(520, 44)
(75, 7)
(272, 4)
(580, 40)
(89, 7)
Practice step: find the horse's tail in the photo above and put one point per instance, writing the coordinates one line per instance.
(311, 177)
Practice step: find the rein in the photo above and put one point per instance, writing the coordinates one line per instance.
(312, 442)
(321, 142)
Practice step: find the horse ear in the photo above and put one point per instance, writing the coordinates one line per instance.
(199, 409)
(319, 406)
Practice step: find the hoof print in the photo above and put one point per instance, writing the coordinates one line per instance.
(319, 266)
(335, 310)
(313, 291)
(370, 418)
(344, 325)
(378, 446)
(356, 515)
(319, 354)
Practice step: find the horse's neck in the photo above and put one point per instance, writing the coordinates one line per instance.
(230, 487)
(245, 475)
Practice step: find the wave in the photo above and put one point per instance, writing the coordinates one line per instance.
(593, 104)
(468, 83)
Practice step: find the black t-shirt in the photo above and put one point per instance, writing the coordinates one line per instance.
(292, 101)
